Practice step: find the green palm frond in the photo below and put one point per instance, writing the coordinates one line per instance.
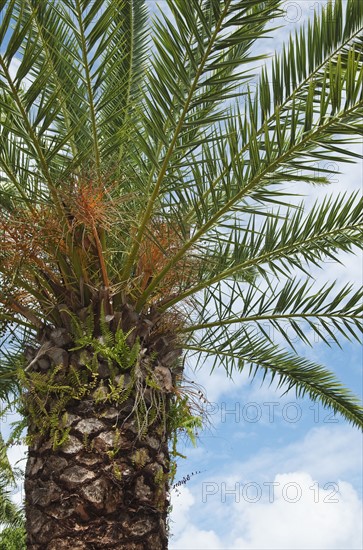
(192, 72)
(288, 370)
(278, 245)
(312, 126)
(331, 313)
(78, 76)
(286, 90)
(121, 72)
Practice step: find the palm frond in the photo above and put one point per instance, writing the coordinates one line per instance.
(192, 69)
(296, 311)
(312, 126)
(298, 240)
(290, 371)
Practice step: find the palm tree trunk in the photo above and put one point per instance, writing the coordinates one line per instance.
(106, 485)
(103, 488)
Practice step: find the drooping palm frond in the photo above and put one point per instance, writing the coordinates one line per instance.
(251, 352)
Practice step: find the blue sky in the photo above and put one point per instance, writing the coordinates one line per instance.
(259, 438)
(275, 472)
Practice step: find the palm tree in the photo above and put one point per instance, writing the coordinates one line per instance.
(148, 211)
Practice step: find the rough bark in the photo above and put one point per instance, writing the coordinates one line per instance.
(107, 485)
(81, 496)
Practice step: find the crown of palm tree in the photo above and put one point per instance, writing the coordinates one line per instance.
(147, 166)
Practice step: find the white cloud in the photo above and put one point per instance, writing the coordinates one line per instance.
(13, 70)
(14, 66)
(319, 519)
(185, 534)
(196, 538)
(311, 507)
(322, 452)
(302, 515)
(217, 383)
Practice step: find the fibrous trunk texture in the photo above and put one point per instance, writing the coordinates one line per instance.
(98, 469)
(82, 497)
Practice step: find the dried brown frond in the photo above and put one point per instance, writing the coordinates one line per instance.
(161, 243)
(93, 201)
(30, 238)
